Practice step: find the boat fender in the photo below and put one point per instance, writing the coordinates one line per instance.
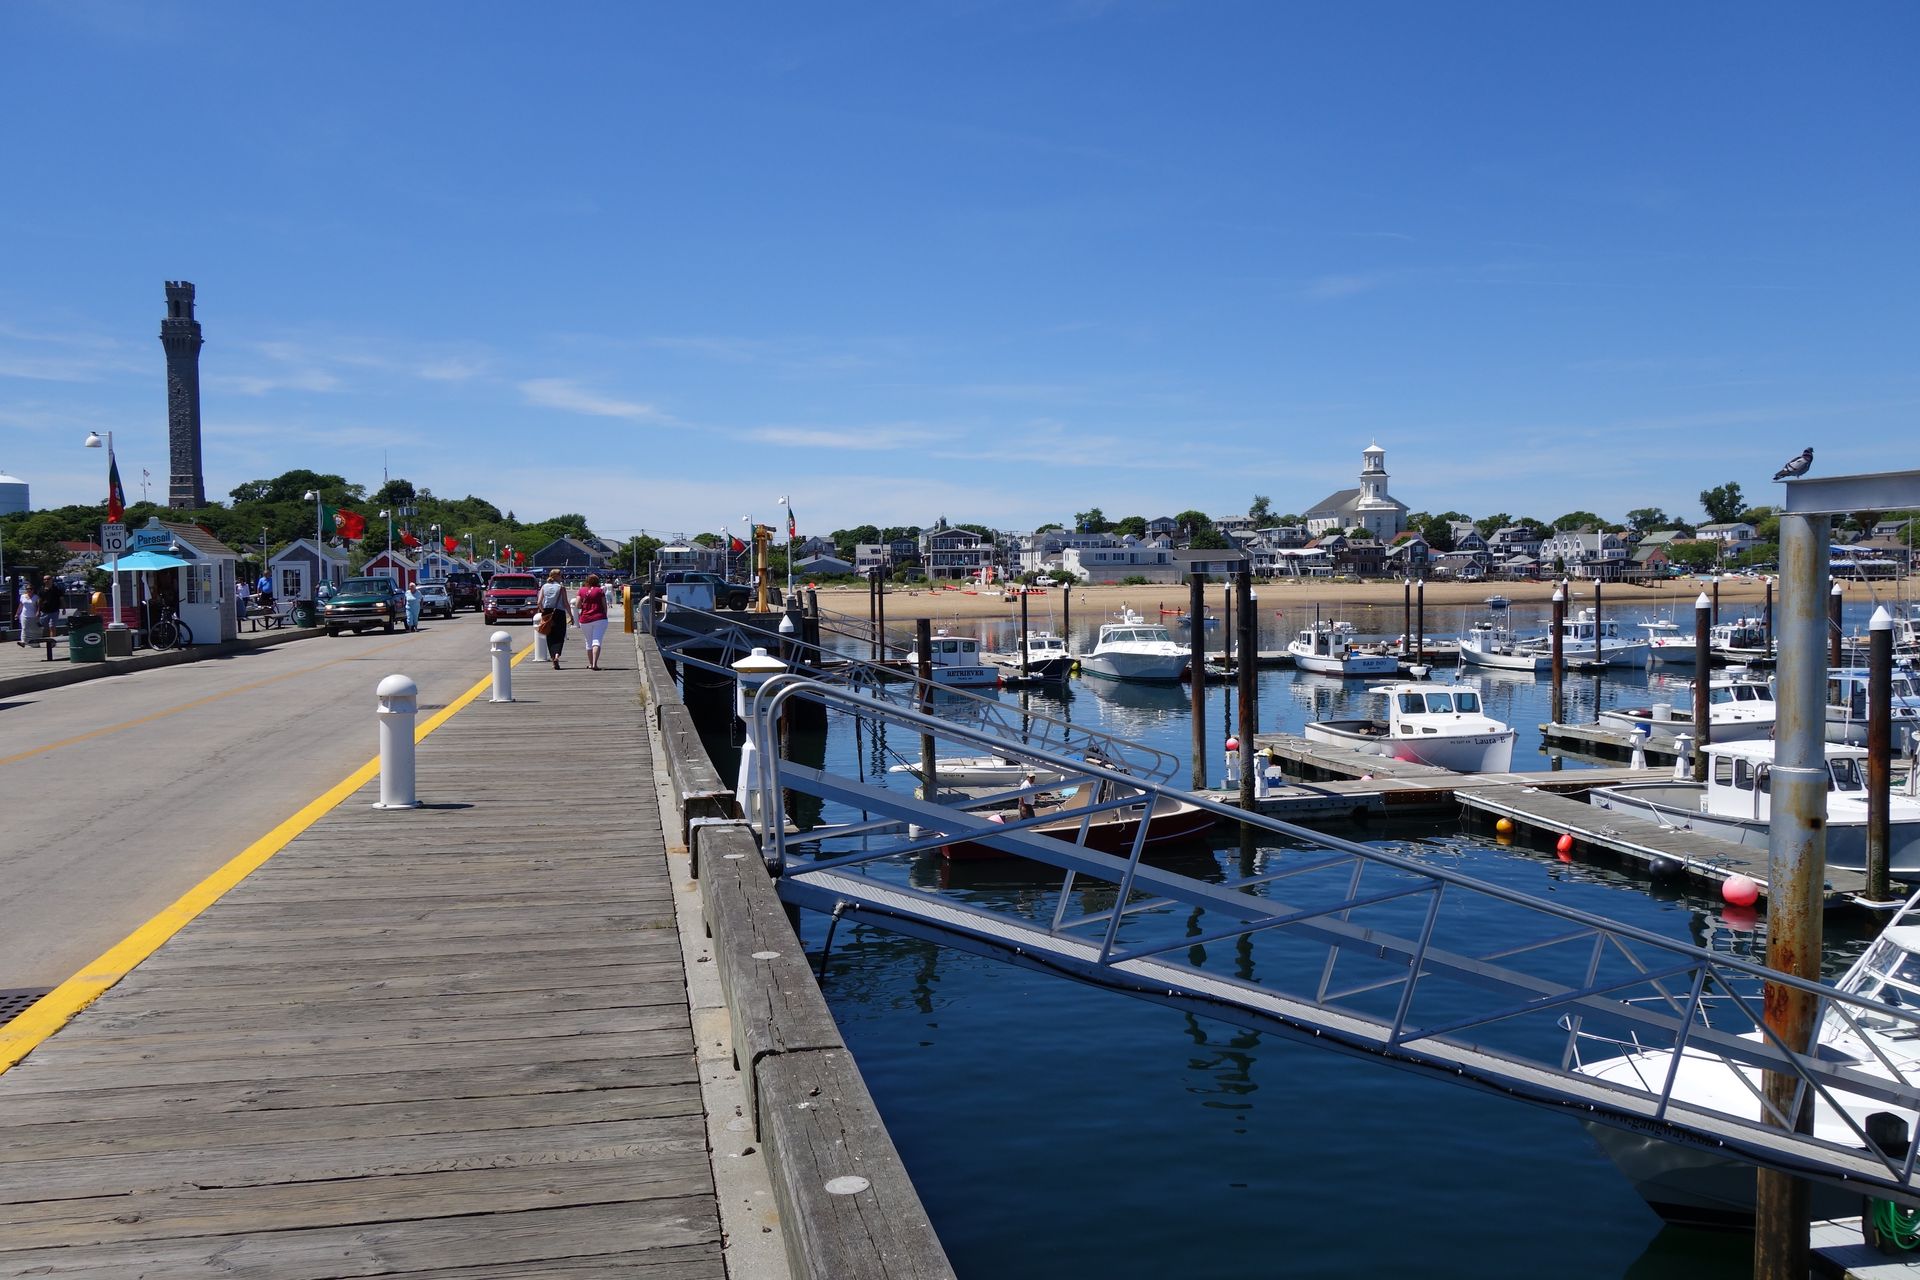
(1665, 868)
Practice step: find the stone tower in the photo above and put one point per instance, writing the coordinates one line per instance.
(180, 335)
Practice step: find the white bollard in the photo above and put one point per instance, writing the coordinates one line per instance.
(1683, 758)
(1233, 764)
(540, 652)
(399, 704)
(750, 673)
(1639, 737)
(501, 645)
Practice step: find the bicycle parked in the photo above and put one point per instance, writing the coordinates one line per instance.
(167, 631)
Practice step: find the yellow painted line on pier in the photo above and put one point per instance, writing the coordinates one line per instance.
(52, 1011)
(149, 718)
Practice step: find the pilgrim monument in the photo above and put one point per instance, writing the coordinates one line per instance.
(180, 335)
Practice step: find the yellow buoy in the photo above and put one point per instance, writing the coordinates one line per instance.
(1504, 826)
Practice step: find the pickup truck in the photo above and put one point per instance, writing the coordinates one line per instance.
(361, 603)
(510, 595)
(726, 595)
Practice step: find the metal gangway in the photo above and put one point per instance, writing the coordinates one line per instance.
(1355, 948)
(713, 642)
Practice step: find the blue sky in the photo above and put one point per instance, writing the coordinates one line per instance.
(999, 262)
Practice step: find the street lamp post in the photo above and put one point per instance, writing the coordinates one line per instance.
(789, 506)
(387, 515)
(93, 442)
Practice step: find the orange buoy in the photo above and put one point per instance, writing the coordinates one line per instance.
(1504, 826)
(1564, 844)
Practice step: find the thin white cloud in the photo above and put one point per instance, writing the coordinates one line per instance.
(1330, 288)
(266, 384)
(846, 437)
(569, 396)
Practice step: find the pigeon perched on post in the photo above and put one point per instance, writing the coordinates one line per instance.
(1796, 466)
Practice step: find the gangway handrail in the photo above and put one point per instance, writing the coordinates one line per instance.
(1021, 723)
(1678, 972)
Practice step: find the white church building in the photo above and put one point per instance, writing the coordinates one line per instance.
(1368, 507)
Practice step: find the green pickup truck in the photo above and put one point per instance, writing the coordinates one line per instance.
(361, 603)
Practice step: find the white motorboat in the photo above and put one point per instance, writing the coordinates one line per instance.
(1579, 636)
(986, 771)
(1691, 1186)
(1668, 644)
(1739, 709)
(955, 661)
(1432, 723)
(1497, 602)
(1328, 648)
(1847, 705)
(1741, 640)
(1733, 804)
(1135, 649)
(1491, 644)
(1046, 657)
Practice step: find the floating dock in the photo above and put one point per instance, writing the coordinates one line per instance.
(1599, 740)
(1642, 840)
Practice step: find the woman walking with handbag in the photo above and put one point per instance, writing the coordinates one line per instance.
(593, 618)
(555, 612)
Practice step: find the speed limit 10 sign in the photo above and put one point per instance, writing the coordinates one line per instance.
(113, 539)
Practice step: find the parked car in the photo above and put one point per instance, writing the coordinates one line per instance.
(435, 602)
(726, 595)
(510, 595)
(465, 589)
(361, 603)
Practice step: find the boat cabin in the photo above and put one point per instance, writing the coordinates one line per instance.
(1134, 633)
(1413, 702)
(1580, 630)
(1739, 777)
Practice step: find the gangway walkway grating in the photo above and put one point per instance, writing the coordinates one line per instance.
(1358, 948)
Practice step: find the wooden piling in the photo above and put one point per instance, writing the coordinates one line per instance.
(1703, 612)
(1197, 649)
(923, 672)
(1833, 626)
(1879, 752)
(1247, 671)
(1023, 636)
(1420, 620)
(1559, 651)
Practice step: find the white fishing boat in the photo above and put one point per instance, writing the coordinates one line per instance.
(1134, 649)
(1667, 643)
(1328, 648)
(1046, 657)
(985, 772)
(1586, 641)
(1734, 804)
(1739, 709)
(1492, 644)
(1432, 723)
(1741, 640)
(955, 661)
(1847, 705)
(1497, 602)
(1691, 1186)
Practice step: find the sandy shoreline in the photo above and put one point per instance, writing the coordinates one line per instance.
(1097, 601)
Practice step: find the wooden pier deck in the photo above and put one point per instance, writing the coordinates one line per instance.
(446, 1041)
(1640, 840)
(1599, 740)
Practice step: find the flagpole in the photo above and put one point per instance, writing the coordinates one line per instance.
(117, 621)
(789, 506)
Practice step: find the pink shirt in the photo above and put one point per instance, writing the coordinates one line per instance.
(593, 604)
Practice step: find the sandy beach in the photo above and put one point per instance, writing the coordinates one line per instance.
(924, 601)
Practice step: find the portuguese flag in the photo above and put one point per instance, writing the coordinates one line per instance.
(116, 496)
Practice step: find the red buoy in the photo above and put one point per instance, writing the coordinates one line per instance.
(1564, 844)
(1740, 891)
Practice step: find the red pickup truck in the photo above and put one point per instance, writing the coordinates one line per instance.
(510, 595)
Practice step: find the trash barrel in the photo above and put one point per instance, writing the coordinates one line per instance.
(86, 638)
(306, 614)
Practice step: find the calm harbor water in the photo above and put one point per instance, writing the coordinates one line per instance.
(1054, 1129)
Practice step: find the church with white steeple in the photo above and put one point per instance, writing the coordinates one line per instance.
(1368, 507)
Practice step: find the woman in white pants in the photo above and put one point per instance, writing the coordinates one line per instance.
(592, 605)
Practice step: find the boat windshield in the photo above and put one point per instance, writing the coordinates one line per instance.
(1846, 774)
(1466, 701)
(1891, 976)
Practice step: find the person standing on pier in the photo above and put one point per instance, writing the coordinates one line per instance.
(29, 610)
(592, 603)
(555, 612)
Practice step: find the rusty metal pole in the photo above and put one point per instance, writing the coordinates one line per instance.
(1833, 626)
(1197, 672)
(923, 673)
(1796, 866)
(1559, 651)
(1716, 599)
(1879, 752)
(1702, 681)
